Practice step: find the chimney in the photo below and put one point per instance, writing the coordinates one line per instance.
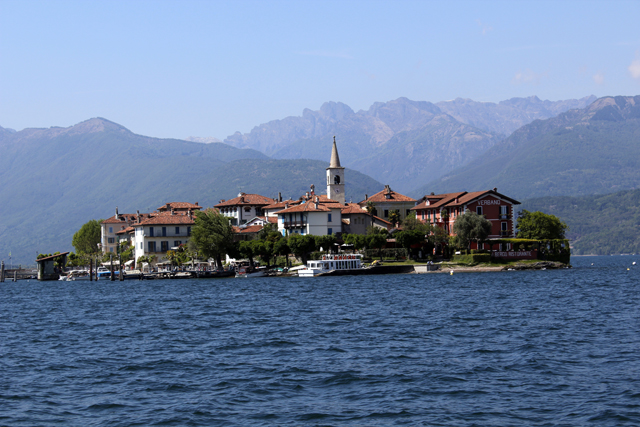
(138, 216)
(316, 204)
(306, 195)
(495, 189)
(189, 212)
(242, 199)
(117, 217)
(172, 213)
(197, 204)
(279, 196)
(366, 197)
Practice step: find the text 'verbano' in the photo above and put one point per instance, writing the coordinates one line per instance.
(489, 202)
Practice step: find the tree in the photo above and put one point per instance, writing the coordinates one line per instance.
(247, 249)
(394, 217)
(376, 238)
(471, 226)
(325, 242)
(301, 245)
(410, 238)
(212, 235)
(87, 238)
(281, 247)
(540, 226)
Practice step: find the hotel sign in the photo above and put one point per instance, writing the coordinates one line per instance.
(515, 254)
(489, 202)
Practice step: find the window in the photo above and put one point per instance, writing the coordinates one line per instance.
(150, 231)
(188, 231)
(336, 179)
(177, 243)
(177, 231)
(141, 247)
(164, 246)
(164, 231)
(386, 213)
(110, 229)
(408, 212)
(111, 239)
(329, 231)
(151, 246)
(329, 215)
(503, 210)
(247, 209)
(479, 210)
(110, 249)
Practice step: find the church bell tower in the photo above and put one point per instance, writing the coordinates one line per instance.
(335, 176)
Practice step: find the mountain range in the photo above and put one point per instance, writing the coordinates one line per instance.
(593, 150)
(56, 179)
(401, 141)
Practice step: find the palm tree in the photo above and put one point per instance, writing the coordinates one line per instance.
(370, 207)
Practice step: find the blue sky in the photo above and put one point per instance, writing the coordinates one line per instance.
(210, 68)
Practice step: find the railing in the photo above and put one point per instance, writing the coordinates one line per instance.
(505, 216)
(505, 233)
(168, 235)
(295, 224)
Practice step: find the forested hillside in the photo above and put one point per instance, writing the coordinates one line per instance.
(602, 225)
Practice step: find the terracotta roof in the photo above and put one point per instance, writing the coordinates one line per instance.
(438, 200)
(353, 208)
(166, 218)
(306, 207)
(393, 197)
(179, 205)
(281, 205)
(122, 218)
(247, 199)
(126, 230)
(381, 220)
(272, 219)
(248, 229)
(477, 194)
(449, 199)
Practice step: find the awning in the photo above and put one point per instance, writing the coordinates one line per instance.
(129, 262)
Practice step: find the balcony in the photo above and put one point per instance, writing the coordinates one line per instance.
(295, 224)
(505, 216)
(505, 233)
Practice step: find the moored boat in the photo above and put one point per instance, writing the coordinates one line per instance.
(344, 263)
(246, 271)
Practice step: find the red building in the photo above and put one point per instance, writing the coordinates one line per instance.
(442, 210)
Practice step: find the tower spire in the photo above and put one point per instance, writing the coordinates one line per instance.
(335, 159)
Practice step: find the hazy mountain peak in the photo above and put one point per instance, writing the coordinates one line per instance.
(335, 110)
(614, 108)
(94, 125)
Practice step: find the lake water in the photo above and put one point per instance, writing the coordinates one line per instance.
(554, 347)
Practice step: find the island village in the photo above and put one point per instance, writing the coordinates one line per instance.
(424, 231)
(153, 238)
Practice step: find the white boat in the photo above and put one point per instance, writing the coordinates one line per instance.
(329, 263)
(250, 272)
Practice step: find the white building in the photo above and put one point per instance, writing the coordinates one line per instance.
(162, 232)
(311, 217)
(244, 207)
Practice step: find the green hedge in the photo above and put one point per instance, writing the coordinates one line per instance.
(472, 259)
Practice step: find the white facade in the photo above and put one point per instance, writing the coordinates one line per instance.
(320, 222)
(157, 239)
